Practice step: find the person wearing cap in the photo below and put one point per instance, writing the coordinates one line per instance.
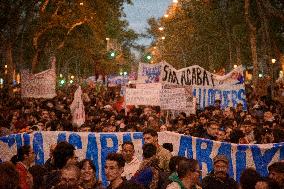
(219, 178)
(276, 173)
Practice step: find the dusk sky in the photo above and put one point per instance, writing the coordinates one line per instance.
(138, 13)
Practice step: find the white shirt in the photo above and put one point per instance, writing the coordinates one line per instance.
(131, 168)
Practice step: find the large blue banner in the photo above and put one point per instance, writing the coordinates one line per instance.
(96, 146)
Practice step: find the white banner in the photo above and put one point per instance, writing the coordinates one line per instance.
(207, 87)
(96, 147)
(149, 73)
(149, 97)
(40, 85)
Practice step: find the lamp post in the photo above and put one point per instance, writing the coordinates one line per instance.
(273, 61)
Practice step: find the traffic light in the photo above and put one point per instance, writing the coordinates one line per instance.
(112, 54)
(148, 57)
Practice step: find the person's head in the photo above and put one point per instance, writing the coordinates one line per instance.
(239, 107)
(163, 128)
(9, 176)
(150, 136)
(26, 154)
(202, 119)
(249, 178)
(189, 169)
(114, 166)
(70, 175)
(128, 151)
(221, 166)
(221, 135)
(64, 154)
(268, 116)
(247, 127)
(276, 172)
(88, 170)
(213, 128)
(173, 164)
(149, 150)
(266, 183)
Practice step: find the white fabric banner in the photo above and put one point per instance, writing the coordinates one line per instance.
(207, 87)
(40, 85)
(96, 146)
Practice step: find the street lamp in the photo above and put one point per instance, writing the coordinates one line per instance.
(235, 66)
(163, 37)
(6, 66)
(166, 15)
(175, 1)
(81, 4)
(272, 74)
(161, 28)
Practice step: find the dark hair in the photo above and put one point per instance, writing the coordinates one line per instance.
(185, 166)
(82, 163)
(23, 150)
(149, 150)
(62, 153)
(38, 172)
(9, 176)
(277, 167)
(249, 178)
(174, 162)
(128, 142)
(236, 135)
(151, 132)
(168, 146)
(116, 157)
(270, 182)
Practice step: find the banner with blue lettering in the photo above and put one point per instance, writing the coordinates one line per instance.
(149, 73)
(96, 146)
(207, 87)
(114, 81)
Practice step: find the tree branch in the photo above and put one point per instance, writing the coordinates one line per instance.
(272, 10)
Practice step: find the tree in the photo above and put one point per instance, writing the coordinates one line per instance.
(73, 31)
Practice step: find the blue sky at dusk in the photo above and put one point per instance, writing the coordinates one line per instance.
(141, 10)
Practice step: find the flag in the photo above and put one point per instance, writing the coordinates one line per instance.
(77, 109)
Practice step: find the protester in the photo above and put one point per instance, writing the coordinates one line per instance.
(131, 161)
(63, 155)
(151, 137)
(25, 157)
(88, 178)
(219, 178)
(70, 176)
(114, 169)
(188, 173)
(249, 178)
(9, 176)
(276, 173)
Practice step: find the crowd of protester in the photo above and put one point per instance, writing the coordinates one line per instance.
(157, 170)
(259, 122)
